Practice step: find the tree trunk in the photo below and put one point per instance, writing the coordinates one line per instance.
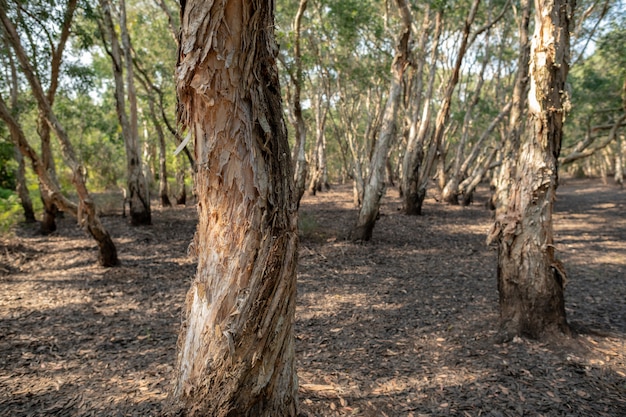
(22, 188)
(375, 185)
(530, 278)
(443, 115)
(163, 189)
(450, 191)
(236, 345)
(137, 189)
(48, 223)
(318, 173)
(86, 213)
(414, 178)
(511, 145)
(181, 196)
(301, 164)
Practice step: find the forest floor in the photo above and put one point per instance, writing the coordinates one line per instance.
(402, 326)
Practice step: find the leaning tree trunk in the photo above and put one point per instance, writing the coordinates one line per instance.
(375, 185)
(236, 345)
(86, 212)
(20, 175)
(450, 191)
(530, 278)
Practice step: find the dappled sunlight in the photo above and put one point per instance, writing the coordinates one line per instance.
(403, 325)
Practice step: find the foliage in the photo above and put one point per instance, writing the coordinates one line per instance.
(10, 209)
(7, 164)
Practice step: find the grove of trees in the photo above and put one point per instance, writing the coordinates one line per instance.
(252, 103)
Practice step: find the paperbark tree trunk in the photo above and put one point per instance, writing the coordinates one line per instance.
(301, 165)
(375, 184)
(510, 148)
(163, 188)
(450, 191)
(530, 277)
(86, 211)
(414, 176)
(236, 345)
(20, 176)
(319, 172)
(22, 188)
(138, 197)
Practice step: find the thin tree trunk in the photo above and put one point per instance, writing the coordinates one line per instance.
(530, 277)
(145, 80)
(450, 191)
(512, 142)
(414, 150)
(468, 186)
(236, 345)
(301, 163)
(137, 189)
(443, 115)
(181, 196)
(22, 188)
(48, 223)
(163, 189)
(375, 186)
(318, 173)
(414, 175)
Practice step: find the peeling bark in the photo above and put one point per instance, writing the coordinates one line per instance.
(531, 279)
(236, 345)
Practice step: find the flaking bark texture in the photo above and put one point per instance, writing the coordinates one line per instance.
(530, 278)
(236, 345)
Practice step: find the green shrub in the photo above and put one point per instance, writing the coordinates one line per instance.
(10, 210)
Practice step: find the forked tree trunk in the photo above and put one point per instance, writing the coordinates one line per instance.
(375, 185)
(443, 115)
(236, 345)
(530, 278)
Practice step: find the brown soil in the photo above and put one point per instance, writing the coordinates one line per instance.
(401, 326)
